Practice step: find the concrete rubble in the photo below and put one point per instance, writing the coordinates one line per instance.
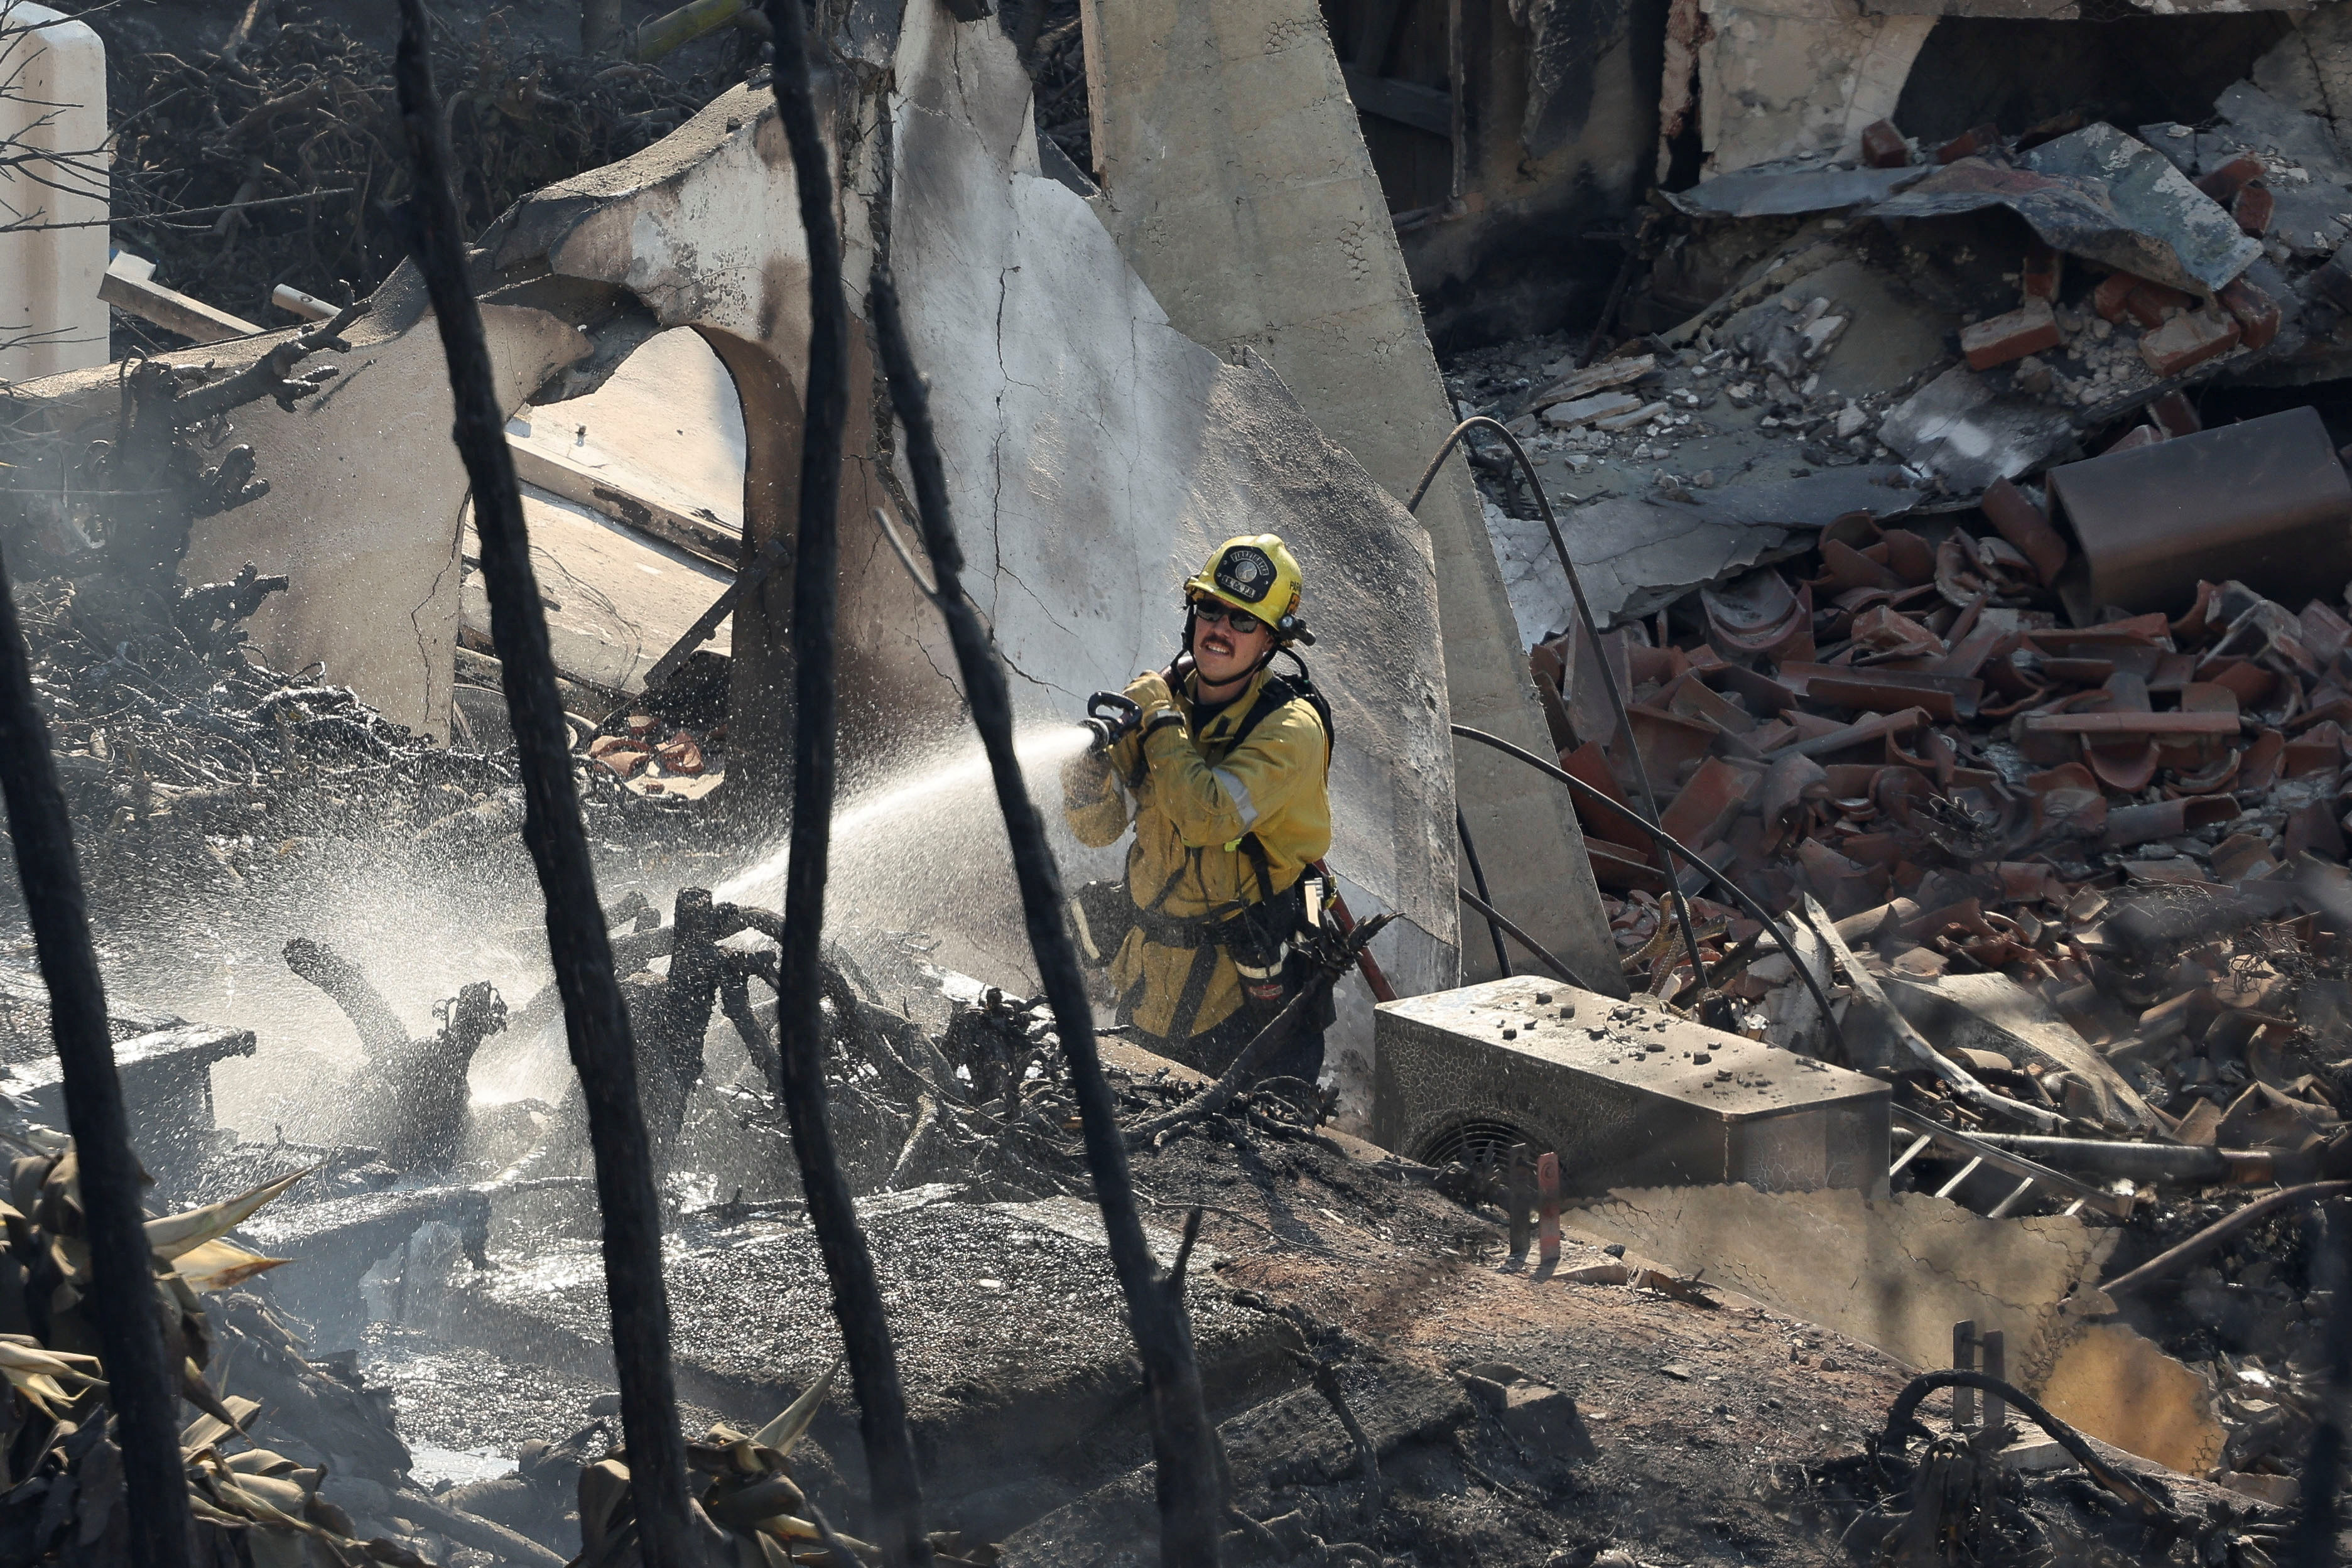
(1962, 528)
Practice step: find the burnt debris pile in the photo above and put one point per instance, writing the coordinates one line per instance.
(273, 155)
(1967, 533)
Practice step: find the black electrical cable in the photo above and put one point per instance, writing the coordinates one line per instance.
(596, 1023)
(1189, 1467)
(896, 1483)
(1658, 835)
(1478, 879)
(1543, 955)
(122, 1300)
(1900, 1423)
(1593, 632)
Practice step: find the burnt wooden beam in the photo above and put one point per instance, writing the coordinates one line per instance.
(141, 1384)
(596, 1023)
(802, 1038)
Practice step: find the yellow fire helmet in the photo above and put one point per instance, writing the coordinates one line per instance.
(1256, 573)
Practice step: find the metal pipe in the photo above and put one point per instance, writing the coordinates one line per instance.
(2211, 1238)
(596, 1023)
(895, 1484)
(1184, 1443)
(141, 1387)
(1608, 677)
(2183, 1162)
(1755, 911)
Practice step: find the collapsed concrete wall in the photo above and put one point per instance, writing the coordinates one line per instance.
(1237, 183)
(365, 494)
(1897, 1274)
(1094, 452)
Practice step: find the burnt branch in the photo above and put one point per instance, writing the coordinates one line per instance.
(379, 1030)
(272, 375)
(122, 1295)
(1190, 1468)
(801, 1028)
(595, 1022)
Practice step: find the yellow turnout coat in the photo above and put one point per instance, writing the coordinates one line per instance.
(1192, 796)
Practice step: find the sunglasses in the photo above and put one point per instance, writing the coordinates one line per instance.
(1212, 613)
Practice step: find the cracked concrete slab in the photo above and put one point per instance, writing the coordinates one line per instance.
(615, 599)
(1897, 1274)
(1236, 180)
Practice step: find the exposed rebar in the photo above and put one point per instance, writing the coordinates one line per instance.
(897, 1486)
(1184, 1443)
(596, 1024)
(1584, 616)
(1537, 950)
(140, 1377)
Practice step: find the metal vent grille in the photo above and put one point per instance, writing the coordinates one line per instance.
(1473, 1142)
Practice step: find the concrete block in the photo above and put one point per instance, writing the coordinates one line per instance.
(54, 112)
(1626, 1096)
(1536, 1415)
(2188, 339)
(1998, 340)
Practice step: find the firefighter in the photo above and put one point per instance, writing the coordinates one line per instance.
(1222, 766)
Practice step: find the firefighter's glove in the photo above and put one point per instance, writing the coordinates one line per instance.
(1149, 692)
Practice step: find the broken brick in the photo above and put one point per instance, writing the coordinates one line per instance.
(2188, 339)
(1707, 804)
(2028, 329)
(2175, 414)
(1883, 146)
(2043, 268)
(2224, 183)
(2152, 304)
(623, 757)
(2252, 208)
(2256, 313)
(2138, 435)
(2112, 298)
(680, 755)
(1969, 143)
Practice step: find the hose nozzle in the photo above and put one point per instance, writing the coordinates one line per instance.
(1111, 717)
